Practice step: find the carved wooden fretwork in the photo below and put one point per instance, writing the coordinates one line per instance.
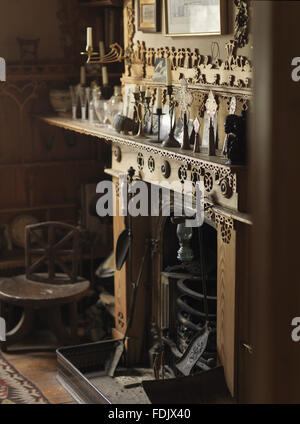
(226, 226)
(224, 223)
(241, 30)
(117, 188)
(236, 71)
(199, 100)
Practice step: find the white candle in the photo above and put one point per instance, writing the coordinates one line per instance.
(136, 89)
(82, 76)
(101, 49)
(169, 72)
(148, 93)
(104, 75)
(159, 98)
(143, 88)
(89, 38)
(104, 68)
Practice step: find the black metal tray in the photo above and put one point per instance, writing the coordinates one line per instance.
(81, 372)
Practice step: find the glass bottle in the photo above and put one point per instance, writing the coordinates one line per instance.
(98, 104)
(114, 105)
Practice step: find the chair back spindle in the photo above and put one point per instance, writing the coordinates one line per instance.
(52, 253)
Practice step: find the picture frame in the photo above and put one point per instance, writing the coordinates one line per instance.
(149, 15)
(160, 70)
(184, 18)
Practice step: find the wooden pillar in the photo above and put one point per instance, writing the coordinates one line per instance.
(226, 307)
(274, 289)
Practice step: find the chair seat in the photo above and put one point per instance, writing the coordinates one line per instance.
(23, 292)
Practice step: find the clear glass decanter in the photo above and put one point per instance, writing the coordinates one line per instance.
(114, 105)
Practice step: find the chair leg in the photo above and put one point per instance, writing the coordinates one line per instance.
(57, 326)
(3, 346)
(22, 329)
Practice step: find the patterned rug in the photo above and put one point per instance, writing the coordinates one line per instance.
(14, 388)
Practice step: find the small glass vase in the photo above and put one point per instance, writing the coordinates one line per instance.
(83, 102)
(74, 99)
(114, 106)
(98, 105)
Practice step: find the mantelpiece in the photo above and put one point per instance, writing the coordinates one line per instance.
(225, 190)
(221, 181)
(226, 193)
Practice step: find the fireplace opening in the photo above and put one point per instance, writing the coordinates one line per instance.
(188, 299)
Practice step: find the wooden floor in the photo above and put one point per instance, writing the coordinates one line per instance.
(40, 369)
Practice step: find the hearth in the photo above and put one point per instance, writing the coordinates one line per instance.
(186, 332)
(184, 336)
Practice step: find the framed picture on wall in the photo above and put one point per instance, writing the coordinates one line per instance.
(195, 17)
(149, 15)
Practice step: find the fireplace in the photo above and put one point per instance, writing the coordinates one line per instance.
(188, 297)
(185, 326)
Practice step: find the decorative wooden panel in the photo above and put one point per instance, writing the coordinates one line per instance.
(41, 166)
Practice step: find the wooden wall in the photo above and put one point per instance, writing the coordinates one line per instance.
(274, 295)
(41, 167)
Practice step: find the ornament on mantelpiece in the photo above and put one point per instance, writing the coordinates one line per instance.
(211, 108)
(232, 106)
(197, 137)
(185, 100)
(236, 143)
(232, 110)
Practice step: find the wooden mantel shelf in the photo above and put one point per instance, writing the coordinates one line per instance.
(110, 135)
(214, 163)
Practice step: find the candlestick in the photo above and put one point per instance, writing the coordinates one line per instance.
(148, 113)
(104, 68)
(104, 75)
(196, 125)
(101, 48)
(89, 39)
(82, 76)
(159, 114)
(139, 113)
(170, 141)
(211, 146)
(169, 73)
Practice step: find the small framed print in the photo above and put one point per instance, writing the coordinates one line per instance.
(149, 15)
(160, 70)
(195, 17)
